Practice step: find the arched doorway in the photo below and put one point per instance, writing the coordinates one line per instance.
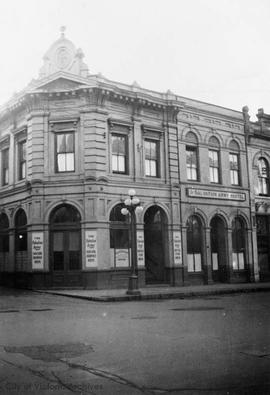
(195, 248)
(65, 246)
(218, 250)
(21, 245)
(4, 242)
(156, 245)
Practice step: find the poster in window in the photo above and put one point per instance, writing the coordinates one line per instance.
(241, 261)
(91, 248)
(198, 262)
(37, 250)
(177, 248)
(190, 263)
(140, 248)
(121, 257)
(215, 260)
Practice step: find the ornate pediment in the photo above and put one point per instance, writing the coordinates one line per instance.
(63, 56)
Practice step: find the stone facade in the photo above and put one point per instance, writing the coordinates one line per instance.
(72, 145)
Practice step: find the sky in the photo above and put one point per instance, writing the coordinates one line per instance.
(216, 51)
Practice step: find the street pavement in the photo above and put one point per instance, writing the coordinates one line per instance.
(208, 344)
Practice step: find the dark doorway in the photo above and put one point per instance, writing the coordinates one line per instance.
(218, 250)
(155, 236)
(65, 247)
(263, 245)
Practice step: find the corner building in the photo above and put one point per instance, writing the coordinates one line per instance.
(72, 144)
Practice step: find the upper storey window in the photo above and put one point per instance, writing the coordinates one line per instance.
(192, 157)
(5, 166)
(119, 153)
(65, 141)
(151, 158)
(22, 160)
(263, 177)
(234, 163)
(65, 153)
(214, 162)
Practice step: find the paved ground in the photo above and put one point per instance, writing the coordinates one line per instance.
(207, 345)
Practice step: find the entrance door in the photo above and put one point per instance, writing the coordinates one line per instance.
(65, 256)
(155, 236)
(263, 245)
(218, 250)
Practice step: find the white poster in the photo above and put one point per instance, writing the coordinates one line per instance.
(91, 248)
(121, 258)
(140, 248)
(37, 250)
(177, 248)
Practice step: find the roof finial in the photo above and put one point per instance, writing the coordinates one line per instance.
(62, 30)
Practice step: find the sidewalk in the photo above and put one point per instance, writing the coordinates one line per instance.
(119, 295)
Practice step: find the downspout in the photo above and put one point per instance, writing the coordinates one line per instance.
(246, 118)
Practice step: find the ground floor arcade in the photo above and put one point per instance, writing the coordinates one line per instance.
(68, 251)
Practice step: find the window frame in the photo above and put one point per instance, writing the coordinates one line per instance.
(126, 154)
(22, 168)
(263, 181)
(235, 171)
(194, 149)
(57, 135)
(5, 166)
(156, 160)
(213, 168)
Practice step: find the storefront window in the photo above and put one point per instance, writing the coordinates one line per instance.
(194, 244)
(119, 238)
(238, 244)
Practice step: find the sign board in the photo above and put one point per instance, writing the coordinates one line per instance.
(121, 257)
(91, 248)
(140, 248)
(37, 250)
(177, 248)
(204, 193)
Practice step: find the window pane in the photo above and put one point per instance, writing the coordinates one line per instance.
(58, 241)
(61, 162)
(153, 168)
(147, 167)
(121, 163)
(70, 142)
(115, 163)
(74, 241)
(22, 175)
(70, 162)
(61, 143)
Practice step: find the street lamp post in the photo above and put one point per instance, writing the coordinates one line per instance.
(132, 205)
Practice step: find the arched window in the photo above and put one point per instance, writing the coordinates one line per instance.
(119, 237)
(192, 157)
(194, 244)
(234, 163)
(4, 236)
(214, 160)
(263, 177)
(21, 230)
(238, 243)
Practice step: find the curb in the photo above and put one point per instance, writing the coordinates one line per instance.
(167, 295)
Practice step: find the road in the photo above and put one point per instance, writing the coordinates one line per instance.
(58, 345)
